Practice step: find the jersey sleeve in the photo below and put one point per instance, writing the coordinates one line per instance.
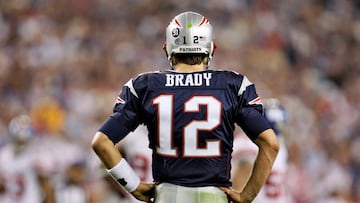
(250, 114)
(126, 114)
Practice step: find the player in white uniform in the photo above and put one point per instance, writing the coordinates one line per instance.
(136, 149)
(244, 154)
(17, 164)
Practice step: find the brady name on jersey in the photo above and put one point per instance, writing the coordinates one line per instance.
(196, 79)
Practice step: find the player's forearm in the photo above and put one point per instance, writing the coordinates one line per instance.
(268, 150)
(106, 150)
(261, 170)
(241, 175)
(116, 166)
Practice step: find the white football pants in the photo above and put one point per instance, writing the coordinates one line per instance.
(169, 193)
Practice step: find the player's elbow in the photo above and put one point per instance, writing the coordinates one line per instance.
(273, 142)
(275, 146)
(99, 141)
(268, 141)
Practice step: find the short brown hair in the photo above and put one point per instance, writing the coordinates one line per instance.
(190, 59)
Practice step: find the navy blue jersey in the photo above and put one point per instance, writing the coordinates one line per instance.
(190, 118)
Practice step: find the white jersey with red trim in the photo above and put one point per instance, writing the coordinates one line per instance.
(274, 190)
(20, 175)
(138, 154)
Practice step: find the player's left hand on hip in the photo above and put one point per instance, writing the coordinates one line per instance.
(145, 192)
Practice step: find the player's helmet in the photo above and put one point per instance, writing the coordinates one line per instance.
(20, 128)
(188, 33)
(275, 114)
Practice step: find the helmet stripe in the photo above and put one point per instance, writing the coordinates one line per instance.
(177, 22)
(203, 20)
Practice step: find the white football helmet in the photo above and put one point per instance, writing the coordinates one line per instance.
(275, 114)
(189, 32)
(20, 128)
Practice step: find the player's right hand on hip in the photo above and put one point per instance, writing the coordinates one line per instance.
(233, 195)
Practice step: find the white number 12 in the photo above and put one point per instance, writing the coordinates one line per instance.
(190, 139)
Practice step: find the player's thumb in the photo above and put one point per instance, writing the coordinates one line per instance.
(225, 189)
(230, 193)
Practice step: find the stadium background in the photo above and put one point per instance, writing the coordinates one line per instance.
(63, 62)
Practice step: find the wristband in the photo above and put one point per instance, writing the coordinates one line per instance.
(125, 175)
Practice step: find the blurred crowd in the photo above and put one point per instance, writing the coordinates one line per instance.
(63, 62)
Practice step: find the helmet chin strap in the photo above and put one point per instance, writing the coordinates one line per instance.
(171, 65)
(207, 62)
(167, 56)
(207, 66)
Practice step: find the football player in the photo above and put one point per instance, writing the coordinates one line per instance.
(26, 180)
(245, 151)
(190, 113)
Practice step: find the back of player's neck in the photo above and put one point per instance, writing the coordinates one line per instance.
(181, 67)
